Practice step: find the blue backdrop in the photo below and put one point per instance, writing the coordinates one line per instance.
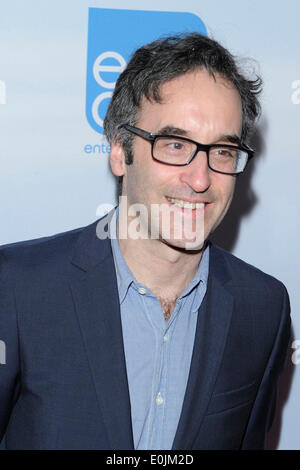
(58, 65)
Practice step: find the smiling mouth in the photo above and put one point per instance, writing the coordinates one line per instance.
(185, 204)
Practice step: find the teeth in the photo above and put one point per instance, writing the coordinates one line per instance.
(185, 204)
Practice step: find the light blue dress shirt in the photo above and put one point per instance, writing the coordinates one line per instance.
(157, 353)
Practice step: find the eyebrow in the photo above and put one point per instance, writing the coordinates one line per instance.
(172, 130)
(167, 130)
(234, 139)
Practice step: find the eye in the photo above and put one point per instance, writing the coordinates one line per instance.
(172, 146)
(224, 152)
(175, 145)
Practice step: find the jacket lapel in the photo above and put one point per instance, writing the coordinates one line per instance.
(211, 332)
(98, 310)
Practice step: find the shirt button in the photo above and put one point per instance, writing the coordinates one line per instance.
(165, 338)
(141, 290)
(159, 399)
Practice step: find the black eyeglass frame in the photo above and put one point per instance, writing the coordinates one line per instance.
(199, 147)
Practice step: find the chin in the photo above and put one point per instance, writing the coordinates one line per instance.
(193, 245)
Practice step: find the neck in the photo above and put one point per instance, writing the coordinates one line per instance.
(164, 269)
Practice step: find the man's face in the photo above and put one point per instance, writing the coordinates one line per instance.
(200, 107)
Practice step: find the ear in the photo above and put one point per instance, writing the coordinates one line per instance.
(117, 159)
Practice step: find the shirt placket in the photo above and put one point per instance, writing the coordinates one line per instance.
(160, 404)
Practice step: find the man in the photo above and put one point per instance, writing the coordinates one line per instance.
(151, 337)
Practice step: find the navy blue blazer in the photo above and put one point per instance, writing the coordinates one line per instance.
(64, 383)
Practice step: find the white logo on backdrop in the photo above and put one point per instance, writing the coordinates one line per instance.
(296, 354)
(2, 92)
(296, 94)
(99, 68)
(2, 352)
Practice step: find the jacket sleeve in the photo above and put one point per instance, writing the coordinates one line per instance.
(263, 411)
(9, 349)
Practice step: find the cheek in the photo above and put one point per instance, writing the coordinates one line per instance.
(228, 195)
(138, 182)
(224, 187)
(150, 177)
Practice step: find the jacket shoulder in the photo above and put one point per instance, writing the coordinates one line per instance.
(42, 255)
(242, 272)
(20, 251)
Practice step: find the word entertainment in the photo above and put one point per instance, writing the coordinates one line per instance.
(103, 149)
(153, 459)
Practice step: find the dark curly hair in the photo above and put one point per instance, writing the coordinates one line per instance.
(162, 60)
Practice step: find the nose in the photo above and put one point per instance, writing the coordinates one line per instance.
(197, 174)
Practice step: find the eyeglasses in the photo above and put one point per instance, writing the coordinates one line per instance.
(180, 151)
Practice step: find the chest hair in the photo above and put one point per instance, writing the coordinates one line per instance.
(167, 306)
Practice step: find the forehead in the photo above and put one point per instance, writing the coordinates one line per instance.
(198, 102)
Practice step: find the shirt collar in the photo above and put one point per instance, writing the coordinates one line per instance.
(199, 283)
(124, 276)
